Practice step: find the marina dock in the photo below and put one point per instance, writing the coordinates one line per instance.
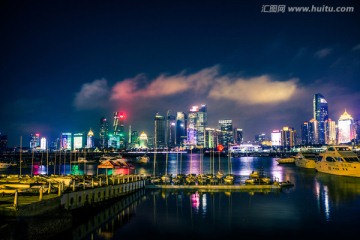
(223, 187)
(22, 204)
(81, 193)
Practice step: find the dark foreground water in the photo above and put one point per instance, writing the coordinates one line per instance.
(317, 205)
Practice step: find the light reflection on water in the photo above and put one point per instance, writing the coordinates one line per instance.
(317, 202)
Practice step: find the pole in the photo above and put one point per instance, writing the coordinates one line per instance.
(32, 161)
(41, 194)
(65, 161)
(47, 161)
(16, 199)
(20, 153)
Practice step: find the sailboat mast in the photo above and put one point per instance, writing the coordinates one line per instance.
(20, 153)
(47, 161)
(32, 161)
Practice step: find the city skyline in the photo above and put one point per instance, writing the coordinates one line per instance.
(65, 65)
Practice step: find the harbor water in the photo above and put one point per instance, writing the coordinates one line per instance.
(317, 205)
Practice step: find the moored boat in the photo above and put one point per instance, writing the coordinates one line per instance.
(142, 159)
(339, 160)
(4, 165)
(304, 160)
(286, 160)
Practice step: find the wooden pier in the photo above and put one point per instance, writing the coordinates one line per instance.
(220, 187)
(75, 196)
(23, 205)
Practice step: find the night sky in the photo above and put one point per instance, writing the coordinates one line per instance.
(66, 64)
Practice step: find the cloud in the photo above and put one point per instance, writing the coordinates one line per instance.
(322, 53)
(92, 95)
(251, 91)
(208, 83)
(164, 85)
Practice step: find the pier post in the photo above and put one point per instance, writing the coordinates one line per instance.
(107, 181)
(92, 182)
(59, 189)
(16, 199)
(73, 186)
(84, 184)
(41, 193)
(49, 189)
(100, 182)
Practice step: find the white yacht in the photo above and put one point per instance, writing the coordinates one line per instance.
(339, 160)
(306, 159)
(5, 165)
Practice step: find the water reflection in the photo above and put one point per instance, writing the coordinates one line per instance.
(104, 224)
(317, 203)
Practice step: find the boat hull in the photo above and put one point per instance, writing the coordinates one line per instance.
(305, 163)
(287, 160)
(338, 168)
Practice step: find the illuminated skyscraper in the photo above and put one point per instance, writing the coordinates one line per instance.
(170, 129)
(212, 137)
(346, 128)
(276, 138)
(313, 132)
(66, 141)
(320, 107)
(134, 142)
(34, 140)
(181, 128)
(143, 140)
(226, 129)
(43, 143)
(288, 137)
(119, 129)
(305, 133)
(330, 130)
(201, 124)
(90, 139)
(79, 140)
(104, 132)
(197, 122)
(160, 125)
(238, 133)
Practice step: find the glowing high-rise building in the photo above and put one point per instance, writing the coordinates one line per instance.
(104, 132)
(276, 138)
(226, 129)
(43, 143)
(79, 140)
(346, 128)
(181, 128)
(160, 125)
(321, 115)
(34, 141)
(239, 138)
(66, 141)
(143, 140)
(330, 130)
(170, 129)
(288, 137)
(196, 124)
(90, 139)
(119, 129)
(305, 133)
(313, 131)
